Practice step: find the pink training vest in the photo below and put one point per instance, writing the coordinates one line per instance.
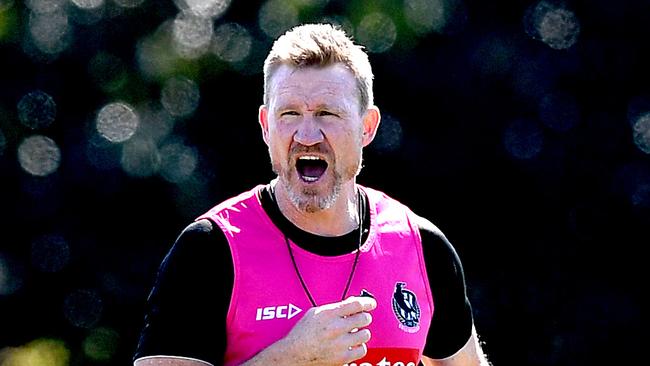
(268, 299)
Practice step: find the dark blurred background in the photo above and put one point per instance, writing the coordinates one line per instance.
(520, 128)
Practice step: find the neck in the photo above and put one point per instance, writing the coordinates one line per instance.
(338, 219)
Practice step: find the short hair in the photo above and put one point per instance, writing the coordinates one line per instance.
(320, 45)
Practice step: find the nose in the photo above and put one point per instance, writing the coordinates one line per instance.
(308, 133)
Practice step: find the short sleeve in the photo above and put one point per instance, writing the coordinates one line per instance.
(187, 306)
(451, 325)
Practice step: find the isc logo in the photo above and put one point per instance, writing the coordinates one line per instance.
(277, 312)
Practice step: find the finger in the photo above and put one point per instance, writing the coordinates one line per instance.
(357, 338)
(353, 305)
(356, 352)
(358, 320)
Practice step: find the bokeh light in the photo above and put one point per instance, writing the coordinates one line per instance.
(178, 162)
(155, 122)
(117, 122)
(191, 34)
(637, 107)
(11, 275)
(424, 16)
(129, 3)
(36, 109)
(232, 42)
(45, 6)
(83, 308)
(559, 111)
(156, 56)
(88, 4)
(641, 132)
(40, 352)
(252, 65)
(180, 96)
(50, 32)
(377, 32)
(140, 157)
(277, 16)
(101, 344)
(552, 24)
(50, 253)
(39, 155)
(523, 139)
(88, 12)
(204, 8)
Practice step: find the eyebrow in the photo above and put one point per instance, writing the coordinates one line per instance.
(318, 107)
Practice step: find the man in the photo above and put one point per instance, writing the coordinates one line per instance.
(311, 269)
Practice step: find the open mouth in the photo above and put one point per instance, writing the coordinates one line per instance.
(310, 168)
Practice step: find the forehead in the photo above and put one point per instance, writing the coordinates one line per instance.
(312, 84)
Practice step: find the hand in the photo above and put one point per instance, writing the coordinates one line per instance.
(332, 334)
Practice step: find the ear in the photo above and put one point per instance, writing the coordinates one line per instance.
(263, 118)
(370, 124)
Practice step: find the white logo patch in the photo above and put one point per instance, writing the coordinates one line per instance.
(277, 312)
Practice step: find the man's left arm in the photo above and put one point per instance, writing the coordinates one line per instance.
(452, 339)
(470, 355)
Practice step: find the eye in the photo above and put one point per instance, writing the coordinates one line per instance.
(289, 113)
(326, 113)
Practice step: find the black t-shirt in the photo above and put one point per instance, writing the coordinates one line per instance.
(187, 307)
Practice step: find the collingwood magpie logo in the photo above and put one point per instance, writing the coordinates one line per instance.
(406, 308)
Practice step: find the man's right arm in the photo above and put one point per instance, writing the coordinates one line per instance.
(186, 310)
(185, 323)
(332, 334)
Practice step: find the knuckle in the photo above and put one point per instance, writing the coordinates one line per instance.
(353, 307)
(357, 306)
(340, 327)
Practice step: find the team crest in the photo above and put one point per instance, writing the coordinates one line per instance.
(406, 308)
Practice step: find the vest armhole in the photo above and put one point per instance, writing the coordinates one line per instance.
(216, 226)
(415, 222)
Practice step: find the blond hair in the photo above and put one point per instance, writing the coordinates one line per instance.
(320, 45)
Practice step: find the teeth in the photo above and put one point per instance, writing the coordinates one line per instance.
(309, 179)
(309, 157)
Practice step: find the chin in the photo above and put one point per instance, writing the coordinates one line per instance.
(309, 198)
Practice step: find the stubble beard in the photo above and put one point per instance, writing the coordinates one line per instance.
(311, 200)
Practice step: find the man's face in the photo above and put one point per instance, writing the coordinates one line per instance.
(315, 131)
